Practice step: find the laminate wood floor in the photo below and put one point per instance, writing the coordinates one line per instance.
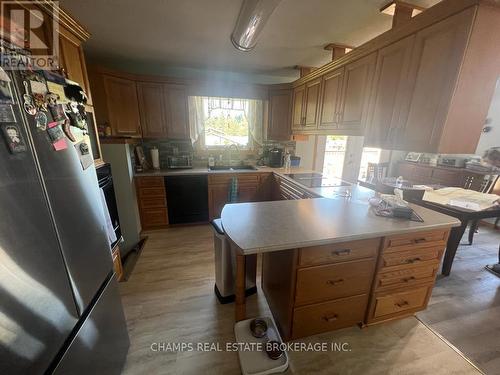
(169, 298)
(465, 306)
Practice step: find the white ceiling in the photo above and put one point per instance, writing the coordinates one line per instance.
(156, 36)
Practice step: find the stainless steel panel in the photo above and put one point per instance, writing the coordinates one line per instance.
(37, 309)
(76, 206)
(101, 345)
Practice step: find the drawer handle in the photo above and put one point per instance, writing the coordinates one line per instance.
(330, 319)
(412, 260)
(408, 279)
(402, 304)
(335, 282)
(341, 252)
(419, 240)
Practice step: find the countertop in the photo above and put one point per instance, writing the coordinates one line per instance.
(201, 171)
(270, 226)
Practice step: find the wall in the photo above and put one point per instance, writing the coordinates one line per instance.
(118, 155)
(492, 138)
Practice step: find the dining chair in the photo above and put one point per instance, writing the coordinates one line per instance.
(484, 186)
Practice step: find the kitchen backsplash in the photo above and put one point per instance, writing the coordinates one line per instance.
(200, 159)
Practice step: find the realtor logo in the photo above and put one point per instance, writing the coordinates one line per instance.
(32, 26)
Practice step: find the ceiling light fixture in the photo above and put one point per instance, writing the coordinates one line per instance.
(251, 20)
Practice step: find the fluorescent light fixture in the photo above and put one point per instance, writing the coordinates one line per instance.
(251, 20)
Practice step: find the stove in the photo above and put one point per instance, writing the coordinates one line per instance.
(317, 180)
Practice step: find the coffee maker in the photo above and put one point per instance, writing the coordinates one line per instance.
(276, 157)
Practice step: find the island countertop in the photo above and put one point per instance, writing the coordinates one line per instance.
(271, 226)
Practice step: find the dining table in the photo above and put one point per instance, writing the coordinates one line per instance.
(414, 194)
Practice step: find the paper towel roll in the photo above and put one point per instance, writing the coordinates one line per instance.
(155, 158)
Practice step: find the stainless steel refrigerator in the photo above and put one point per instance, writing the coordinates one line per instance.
(60, 310)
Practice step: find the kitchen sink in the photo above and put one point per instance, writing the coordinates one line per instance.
(233, 168)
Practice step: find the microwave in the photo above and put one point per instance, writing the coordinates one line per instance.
(180, 162)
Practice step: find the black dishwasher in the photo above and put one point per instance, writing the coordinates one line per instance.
(187, 198)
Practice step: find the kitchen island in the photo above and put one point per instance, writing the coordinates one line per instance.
(331, 262)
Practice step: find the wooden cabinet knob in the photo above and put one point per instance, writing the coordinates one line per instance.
(341, 252)
(335, 282)
(408, 279)
(331, 318)
(412, 260)
(402, 304)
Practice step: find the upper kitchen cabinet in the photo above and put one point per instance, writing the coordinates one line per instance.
(176, 104)
(122, 106)
(455, 66)
(279, 114)
(152, 109)
(72, 59)
(312, 103)
(423, 86)
(356, 86)
(306, 106)
(298, 107)
(337, 102)
(435, 64)
(389, 88)
(331, 93)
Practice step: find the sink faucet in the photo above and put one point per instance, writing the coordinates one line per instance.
(232, 147)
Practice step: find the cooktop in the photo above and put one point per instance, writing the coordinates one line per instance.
(316, 180)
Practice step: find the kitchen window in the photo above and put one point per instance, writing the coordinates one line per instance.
(217, 122)
(346, 158)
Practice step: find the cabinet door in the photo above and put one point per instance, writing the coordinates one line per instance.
(73, 60)
(152, 109)
(248, 193)
(279, 115)
(123, 106)
(312, 103)
(355, 94)
(177, 111)
(330, 99)
(217, 198)
(389, 88)
(435, 63)
(298, 105)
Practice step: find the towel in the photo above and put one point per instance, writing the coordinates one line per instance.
(233, 191)
(110, 231)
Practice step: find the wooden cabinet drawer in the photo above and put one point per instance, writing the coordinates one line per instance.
(406, 277)
(149, 202)
(309, 256)
(152, 192)
(327, 316)
(225, 178)
(416, 240)
(321, 283)
(154, 217)
(411, 257)
(150, 181)
(401, 302)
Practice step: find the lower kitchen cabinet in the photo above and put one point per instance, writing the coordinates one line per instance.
(317, 289)
(446, 176)
(152, 202)
(252, 187)
(117, 263)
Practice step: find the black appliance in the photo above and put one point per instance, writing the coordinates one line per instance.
(187, 199)
(317, 180)
(105, 179)
(276, 158)
(59, 301)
